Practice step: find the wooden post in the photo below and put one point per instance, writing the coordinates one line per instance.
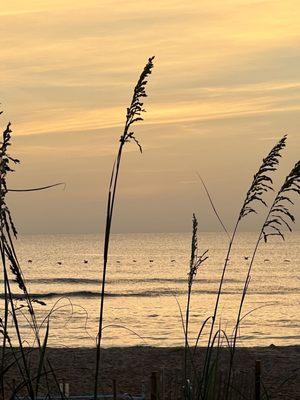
(257, 379)
(162, 384)
(220, 388)
(143, 389)
(14, 387)
(154, 386)
(176, 385)
(115, 389)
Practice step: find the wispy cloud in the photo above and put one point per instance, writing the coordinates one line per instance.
(73, 63)
(225, 70)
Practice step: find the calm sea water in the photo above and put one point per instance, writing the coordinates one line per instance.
(146, 274)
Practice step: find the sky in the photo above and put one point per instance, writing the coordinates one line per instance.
(225, 87)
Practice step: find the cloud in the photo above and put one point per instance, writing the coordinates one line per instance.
(226, 71)
(74, 66)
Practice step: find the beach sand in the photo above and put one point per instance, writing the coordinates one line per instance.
(131, 367)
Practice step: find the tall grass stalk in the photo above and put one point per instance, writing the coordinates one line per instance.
(133, 115)
(278, 217)
(195, 263)
(261, 184)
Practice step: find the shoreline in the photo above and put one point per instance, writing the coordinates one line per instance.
(131, 367)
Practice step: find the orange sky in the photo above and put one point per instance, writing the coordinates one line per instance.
(225, 87)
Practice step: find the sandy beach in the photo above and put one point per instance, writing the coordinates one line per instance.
(131, 367)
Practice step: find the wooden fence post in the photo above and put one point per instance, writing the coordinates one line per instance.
(115, 389)
(176, 385)
(154, 386)
(219, 387)
(257, 379)
(162, 384)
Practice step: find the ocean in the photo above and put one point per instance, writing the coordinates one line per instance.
(147, 286)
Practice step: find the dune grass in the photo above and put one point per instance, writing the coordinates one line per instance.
(12, 271)
(279, 216)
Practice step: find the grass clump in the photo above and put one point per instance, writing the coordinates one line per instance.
(11, 269)
(279, 216)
